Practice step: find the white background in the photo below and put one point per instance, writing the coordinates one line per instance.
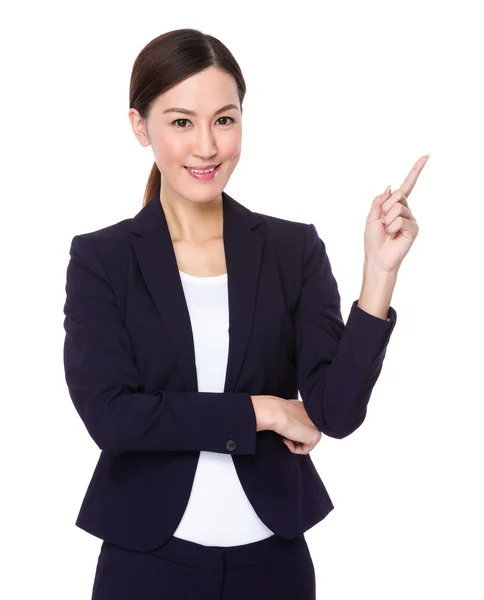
(342, 99)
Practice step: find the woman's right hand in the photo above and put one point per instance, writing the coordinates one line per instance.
(299, 433)
(289, 419)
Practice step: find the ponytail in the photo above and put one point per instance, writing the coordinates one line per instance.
(154, 184)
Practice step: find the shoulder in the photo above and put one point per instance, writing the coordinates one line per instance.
(287, 240)
(283, 230)
(106, 250)
(289, 231)
(289, 236)
(114, 232)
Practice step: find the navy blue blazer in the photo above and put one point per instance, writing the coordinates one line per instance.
(130, 370)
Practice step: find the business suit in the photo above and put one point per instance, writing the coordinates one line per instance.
(130, 370)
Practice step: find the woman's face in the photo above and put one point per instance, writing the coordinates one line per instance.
(181, 140)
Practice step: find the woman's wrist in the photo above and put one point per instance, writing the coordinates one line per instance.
(268, 411)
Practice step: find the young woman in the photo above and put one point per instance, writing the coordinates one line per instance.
(190, 329)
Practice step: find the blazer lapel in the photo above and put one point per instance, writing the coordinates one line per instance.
(152, 244)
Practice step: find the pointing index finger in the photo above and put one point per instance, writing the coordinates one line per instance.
(411, 179)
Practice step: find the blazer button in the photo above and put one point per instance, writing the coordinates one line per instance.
(231, 445)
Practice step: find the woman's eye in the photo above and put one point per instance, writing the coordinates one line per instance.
(188, 120)
(179, 121)
(226, 118)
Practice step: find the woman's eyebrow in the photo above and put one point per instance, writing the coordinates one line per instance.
(185, 111)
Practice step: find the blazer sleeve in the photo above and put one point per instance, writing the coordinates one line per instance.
(104, 382)
(337, 364)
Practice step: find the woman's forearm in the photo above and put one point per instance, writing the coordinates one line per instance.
(376, 291)
(267, 410)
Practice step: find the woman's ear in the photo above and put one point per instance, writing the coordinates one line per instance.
(138, 125)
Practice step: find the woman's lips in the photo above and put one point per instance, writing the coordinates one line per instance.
(204, 176)
(203, 168)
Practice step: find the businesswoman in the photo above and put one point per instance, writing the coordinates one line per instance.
(190, 329)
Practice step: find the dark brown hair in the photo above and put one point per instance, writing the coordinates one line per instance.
(166, 61)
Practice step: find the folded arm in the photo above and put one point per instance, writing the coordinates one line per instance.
(104, 382)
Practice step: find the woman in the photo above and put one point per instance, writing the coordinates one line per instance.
(190, 329)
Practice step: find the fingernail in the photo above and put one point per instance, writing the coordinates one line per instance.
(427, 154)
(387, 189)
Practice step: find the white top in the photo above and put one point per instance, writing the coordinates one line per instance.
(218, 512)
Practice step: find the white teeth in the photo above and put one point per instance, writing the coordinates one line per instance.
(206, 170)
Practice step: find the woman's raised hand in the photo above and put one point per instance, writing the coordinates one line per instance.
(391, 227)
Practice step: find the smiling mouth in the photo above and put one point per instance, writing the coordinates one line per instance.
(205, 169)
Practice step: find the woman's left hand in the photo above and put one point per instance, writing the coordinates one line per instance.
(388, 242)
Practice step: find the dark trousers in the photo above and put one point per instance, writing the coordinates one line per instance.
(273, 568)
